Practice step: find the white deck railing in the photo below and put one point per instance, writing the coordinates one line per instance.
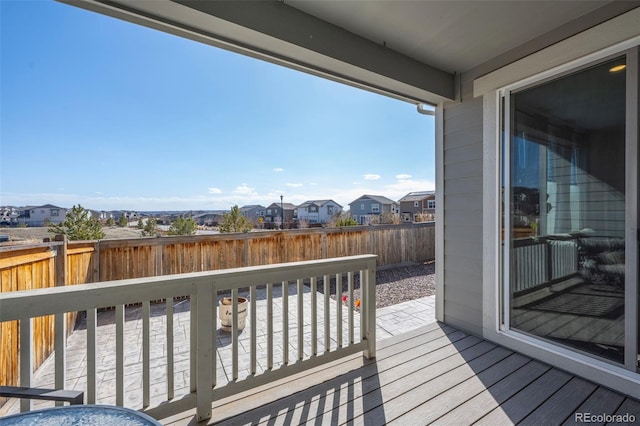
(323, 326)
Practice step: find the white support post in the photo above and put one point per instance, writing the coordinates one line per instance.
(327, 314)
(60, 336)
(214, 337)
(120, 355)
(170, 372)
(339, 309)
(26, 359)
(234, 334)
(351, 307)
(204, 351)
(300, 320)
(370, 306)
(146, 358)
(193, 338)
(60, 326)
(314, 316)
(285, 322)
(254, 322)
(269, 326)
(92, 326)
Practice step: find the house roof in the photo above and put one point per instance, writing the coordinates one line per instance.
(417, 196)
(411, 50)
(47, 206)
(286, 206)
(250, 207)
(379, 198)
(318, 203)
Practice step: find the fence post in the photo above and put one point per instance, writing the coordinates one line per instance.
(61, 261)
(96, 262)
(60, 322)
(245, 249)
(323, 243)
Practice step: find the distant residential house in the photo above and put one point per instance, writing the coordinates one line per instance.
(418, 206)
(208, 218)
(274, 214)
(101, 215)
(369, 208)
(318, 211)
(255, 213)
(9, 215)
(42, 215)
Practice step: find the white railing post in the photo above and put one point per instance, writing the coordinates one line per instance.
(26, 359)
(169, 334)
(204, 351)
(234, 334)
(60, 339)
(60, 327)
(370, 310)
(120, 355)
(146, 353)
(285, 322)
(92, 325)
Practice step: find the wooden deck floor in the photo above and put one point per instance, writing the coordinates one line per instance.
(435, 374)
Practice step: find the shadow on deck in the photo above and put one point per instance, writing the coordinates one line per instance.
(435, 374)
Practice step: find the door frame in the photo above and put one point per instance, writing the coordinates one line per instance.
(623, 378)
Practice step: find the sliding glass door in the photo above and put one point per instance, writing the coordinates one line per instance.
(570, 202)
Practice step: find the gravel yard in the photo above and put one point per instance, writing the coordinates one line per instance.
(395, 285)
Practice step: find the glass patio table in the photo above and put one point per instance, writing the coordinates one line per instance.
(80, 415)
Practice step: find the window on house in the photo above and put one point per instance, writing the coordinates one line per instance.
(54, 212)
(431, 204)
(330, 209)
(375, 208)
(416, 204)
(362, 206)
(268, 211)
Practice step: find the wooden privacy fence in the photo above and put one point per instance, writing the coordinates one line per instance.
(59, 263)
(136, 258)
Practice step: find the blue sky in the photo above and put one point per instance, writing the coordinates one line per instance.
(111, 115)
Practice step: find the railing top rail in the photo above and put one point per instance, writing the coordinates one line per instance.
(34, 303)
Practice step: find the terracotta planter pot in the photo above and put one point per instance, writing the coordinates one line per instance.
(225, 313)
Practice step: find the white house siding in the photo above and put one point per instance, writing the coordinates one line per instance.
(463, 215)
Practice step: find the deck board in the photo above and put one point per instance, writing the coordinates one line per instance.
(562, 404)
(602, 400)
(433, 375)
(487, 400)
(527, 400)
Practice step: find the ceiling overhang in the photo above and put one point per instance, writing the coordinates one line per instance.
(281, 34)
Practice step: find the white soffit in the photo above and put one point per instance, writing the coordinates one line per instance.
(610, 34)
(179, 19)
(454, 36)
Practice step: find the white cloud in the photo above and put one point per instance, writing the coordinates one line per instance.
(294, 185)
(371, 176)
(244, 189)
(278, 169)
(403, 176)
(215, 191)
